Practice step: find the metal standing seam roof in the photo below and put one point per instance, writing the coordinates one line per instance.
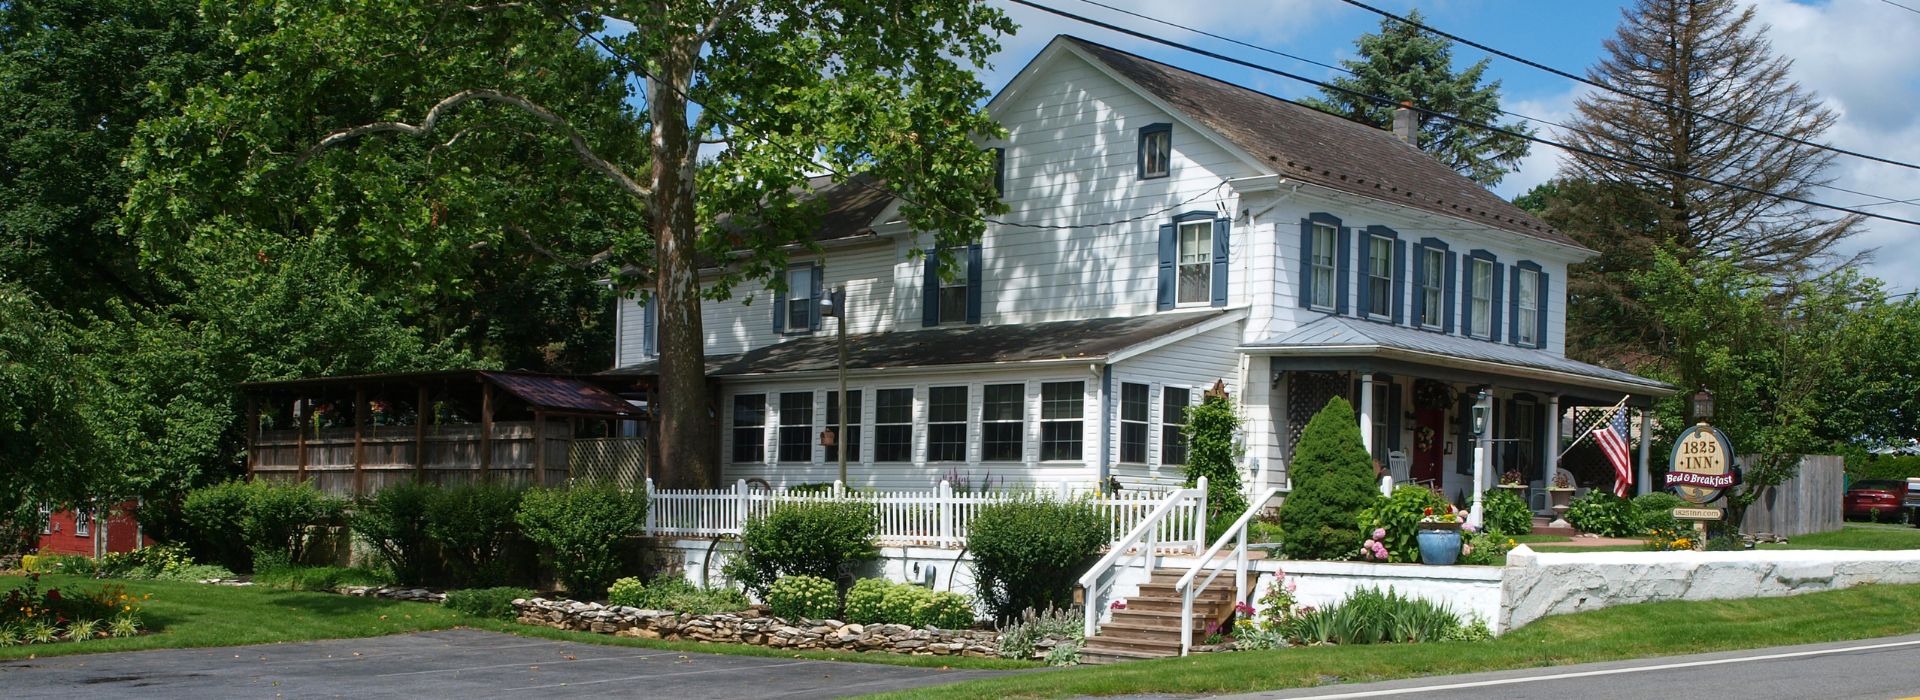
(560, 393)
(1350, 333)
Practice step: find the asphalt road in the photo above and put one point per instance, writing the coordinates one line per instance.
(1872, 668)
(463, 664)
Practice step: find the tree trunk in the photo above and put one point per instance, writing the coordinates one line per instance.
(688, 448)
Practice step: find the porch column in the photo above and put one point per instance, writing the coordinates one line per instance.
(1646, 442)
(1366, 412)
(1551, 464)
(1481, 453)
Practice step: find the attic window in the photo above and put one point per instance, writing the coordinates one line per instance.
(1156, 151)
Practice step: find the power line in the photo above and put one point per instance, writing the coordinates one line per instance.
(1885, 200)
(1637, 96)
(1903, 7)
(1452, 119)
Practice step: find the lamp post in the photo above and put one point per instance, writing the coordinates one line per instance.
(1703, 406)
(835, 305)
(1480, 423)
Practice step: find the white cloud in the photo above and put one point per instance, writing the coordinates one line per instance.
(1270, 22)
(1542, 161)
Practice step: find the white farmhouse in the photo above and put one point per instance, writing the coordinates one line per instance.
(1189, 231)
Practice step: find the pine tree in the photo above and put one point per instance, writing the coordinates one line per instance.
(1406, 64)
(1332, 483)
(1706, 57)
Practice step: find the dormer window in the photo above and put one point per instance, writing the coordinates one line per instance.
(1156, 151)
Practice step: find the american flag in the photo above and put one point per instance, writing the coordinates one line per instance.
(1613, 441)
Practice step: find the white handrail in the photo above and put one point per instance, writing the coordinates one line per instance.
(1149, 531)
(1188, 591)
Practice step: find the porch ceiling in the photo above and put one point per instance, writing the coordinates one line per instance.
(1335, 336)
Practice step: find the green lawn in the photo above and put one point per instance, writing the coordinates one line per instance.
(1626, 632)
(1536, 539)
(183, 614)
(1856, 536)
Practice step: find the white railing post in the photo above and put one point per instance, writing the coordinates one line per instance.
(945, 507)
(1240, 572)
(740, 504)
(839, 490)
(1186, 622)
(1200, 518)
(653, 509)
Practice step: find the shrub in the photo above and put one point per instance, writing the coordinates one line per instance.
(1399, 514)
(585, 527)
(69, 564)
(472, 524)
(1371, 616)
(1485, 548)
(1020, 639)
(802, 596)
(627, 591)
(675, 593)
(317, 578)
(1882, 466)
(145, 563)
(1654, 511)
(1332, 484)
(947, 610)
(1505, 512)
(196, 572)
(1029, 552)
(863, 600)
(212, 515)
(1602, 513)
(901, 604)
(492, 603)
(394, 523)
(1213, 453)
(827, 539)
(239, 522)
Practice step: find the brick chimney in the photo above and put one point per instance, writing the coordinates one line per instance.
(1405, 124)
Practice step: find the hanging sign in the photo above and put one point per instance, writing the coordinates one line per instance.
(1702, 467)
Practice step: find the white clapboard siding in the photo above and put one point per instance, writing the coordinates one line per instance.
(1193, 364)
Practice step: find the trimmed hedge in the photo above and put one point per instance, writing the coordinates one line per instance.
(472, 524)
(795, 597)
(585, 528)
(874, 601)
(240, 523)
(1333, 485)
(827, 539)
(1029, 553)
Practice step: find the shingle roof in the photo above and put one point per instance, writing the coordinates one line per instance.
(1091, 339)
(1312, 146)
(1349, 333)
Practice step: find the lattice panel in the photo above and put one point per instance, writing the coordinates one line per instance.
(1307, 393)
(619, 461)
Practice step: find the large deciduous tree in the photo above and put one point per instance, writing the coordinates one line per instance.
(791, 88)
(1406, 64)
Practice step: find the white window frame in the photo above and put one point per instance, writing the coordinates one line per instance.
(1157, 146)
(1433, 288)
(1526, 319)
(800, 296)
(804, 430)
(735, 429)
(1143, 424)
(879, 426)
(1201, 257)
(966, 397)
(1167, 446)
(82, 522)
(1078, 403)
(956, 288)
(832, 421)
(1019, 420)
(1377, 296)
(1323, 266)
(1482, 299)
(46, 519)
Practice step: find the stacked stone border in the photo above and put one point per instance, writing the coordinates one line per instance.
(757, 628)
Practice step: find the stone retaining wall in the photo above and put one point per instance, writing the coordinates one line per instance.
(755, 627)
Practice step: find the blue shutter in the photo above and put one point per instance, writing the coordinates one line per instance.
(1341, 265)
(930, 288)
(973, 283)
(780, 307)
(1304, 277)
(1221, 229)
(649, 328)
(813, 309)
(1447, 288)
(1419, 285)
(1513, 309)
(1540, 336)
(1169, 249)
(1499, 288)
(1399, 281)
(1466, 296)
(1362, 273)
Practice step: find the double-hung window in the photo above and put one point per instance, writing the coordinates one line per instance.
(852, 438)
(953, 292)
(1482, 288)
(1156, 151)
(1196, 263)
(1323, 264)
(796, 426)
(1133, 423)
(1433, 263)
(947, 424)
(749, 428)
(1380, 276)
(46, 519)
(1173, 424)
(1062, 407)
(82, 522)
(1526, 299)
(1003, 423)
(799, 309)
(893, 425)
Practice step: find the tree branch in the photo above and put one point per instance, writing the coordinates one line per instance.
(592, 261)
(426, 126)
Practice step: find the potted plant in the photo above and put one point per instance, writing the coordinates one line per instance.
(1513, 480)
(1439, 536)
(1561, 495)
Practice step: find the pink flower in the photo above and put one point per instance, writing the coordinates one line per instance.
(1379, 533)
(1291, 586)
(1119, 605)
(1469, 528)
(1466, 549)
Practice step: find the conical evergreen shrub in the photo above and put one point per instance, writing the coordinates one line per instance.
(1332, 483)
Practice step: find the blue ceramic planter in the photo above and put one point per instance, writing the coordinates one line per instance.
(1439, 547)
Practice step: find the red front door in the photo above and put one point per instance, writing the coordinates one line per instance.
(1429, 444)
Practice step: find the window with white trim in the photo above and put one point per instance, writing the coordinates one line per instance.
(1379, 276)
(750, 428)
(1527, 304)
(1133, 423)
(82, 522)
(947, 424)
(1323, 264)
(1432, 289)
(852, 438)
(46, 519)
(800, 302)
(1062, 420)
(893, 425)
(1482, 281)
(953, 291)
(1195, 273)
(1156, 151)
(1003, 423)
(796, 426)
(1173, 424)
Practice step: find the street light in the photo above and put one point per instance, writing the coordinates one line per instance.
(1703, 405)
(835, 305)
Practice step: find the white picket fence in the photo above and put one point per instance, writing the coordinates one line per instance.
(933, 518)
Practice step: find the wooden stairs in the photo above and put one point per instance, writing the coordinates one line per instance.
(1149, 627)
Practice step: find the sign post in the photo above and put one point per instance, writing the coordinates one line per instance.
(1700, 473)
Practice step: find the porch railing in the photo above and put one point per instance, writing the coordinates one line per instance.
(1213, 565)
(937, 517)
(1177, 522)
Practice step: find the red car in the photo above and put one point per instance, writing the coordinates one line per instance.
(1877, 499)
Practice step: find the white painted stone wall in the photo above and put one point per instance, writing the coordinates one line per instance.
(1540, 584)
(1471, 591)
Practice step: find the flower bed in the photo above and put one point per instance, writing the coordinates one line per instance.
(755, 627)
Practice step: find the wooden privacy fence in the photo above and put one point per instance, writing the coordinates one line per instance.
(934, 518)
(342, 462)
(1809, 502)
(618, 461)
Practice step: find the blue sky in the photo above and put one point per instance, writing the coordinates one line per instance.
(1861, 56)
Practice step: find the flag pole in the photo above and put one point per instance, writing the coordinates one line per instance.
(1596, 426)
